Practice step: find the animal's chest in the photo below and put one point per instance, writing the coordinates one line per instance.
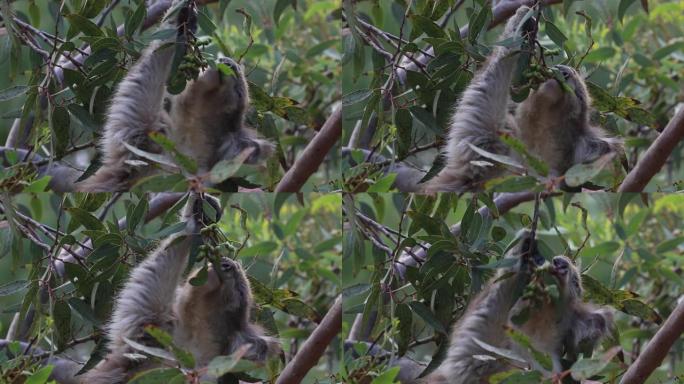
(541, 327)
(543, 141)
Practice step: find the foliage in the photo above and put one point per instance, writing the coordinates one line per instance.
(629, 248)
(289, 247)
(633, 61)
(290, 52)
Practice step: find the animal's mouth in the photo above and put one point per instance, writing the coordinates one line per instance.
(230, 63)
(560, 267)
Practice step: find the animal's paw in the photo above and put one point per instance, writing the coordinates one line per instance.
(187, 18)
(263, 347)
(263, 149)
(514, 22)
(201, 210)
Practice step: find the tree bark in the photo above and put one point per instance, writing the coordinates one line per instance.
(656, 155)
(657, 349)
(313, 155)
(314, 346)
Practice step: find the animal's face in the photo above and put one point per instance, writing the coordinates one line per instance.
(213, 93)
(551, 94)
(567, 275)
(228, 286)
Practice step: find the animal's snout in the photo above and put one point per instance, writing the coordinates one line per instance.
(230, 63)
(565, 71)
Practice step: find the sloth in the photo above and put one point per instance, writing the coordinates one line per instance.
(552, 122)
(206, 121)
(207, 320)
(563, 327)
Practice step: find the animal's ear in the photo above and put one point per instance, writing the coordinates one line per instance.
(590, 327)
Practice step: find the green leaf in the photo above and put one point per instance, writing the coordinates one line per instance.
(59, 125)
(181, 159)
(505, 353)
(622, 8)
(387, 377)
(38, 186)
(157, 376)
(424, 313)
(221, 365)
(356, 97)
(13, 287)
(428, 26)
(555, 34)
(41, 376)
(79, 23)
(382, 185)
(580, 173)
(280, 6)
(135, 20)
(502, 159)
(85, 219)
(670, 244)
(12, 92)
(583, 369)
(405, 316)
(260, 249)
(138, 214)
(479, 22)
(320, 48)
(152, 351)
(600, 54)
(164, 338)
(404, 123)
(205, 23)
(668, 49)
(516, 376)
(225, 169)
(62, 319)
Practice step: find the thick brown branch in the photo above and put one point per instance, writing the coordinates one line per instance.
(656, 155)
(313, 155)
(657, 348)
(314, 346)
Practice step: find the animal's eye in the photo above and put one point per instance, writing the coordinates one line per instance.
(167, 104)
(226, 265)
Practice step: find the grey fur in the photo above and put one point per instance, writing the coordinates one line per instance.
(553, 124)
(549, 329)
(207, 320)
(205, 121)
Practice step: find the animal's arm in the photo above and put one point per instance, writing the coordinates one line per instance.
(479, 114)
(135, 110)
(261, 346)
(148, 295)
(590, 325)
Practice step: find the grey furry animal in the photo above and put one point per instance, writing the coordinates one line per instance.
(207, 320)
(206, 121)
(552, 123)
(566, 331)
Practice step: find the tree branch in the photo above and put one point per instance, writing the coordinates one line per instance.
(504, 203)
(313, 155)
(65, 370)
(314, 346)
(657, 348)
(655, 156)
